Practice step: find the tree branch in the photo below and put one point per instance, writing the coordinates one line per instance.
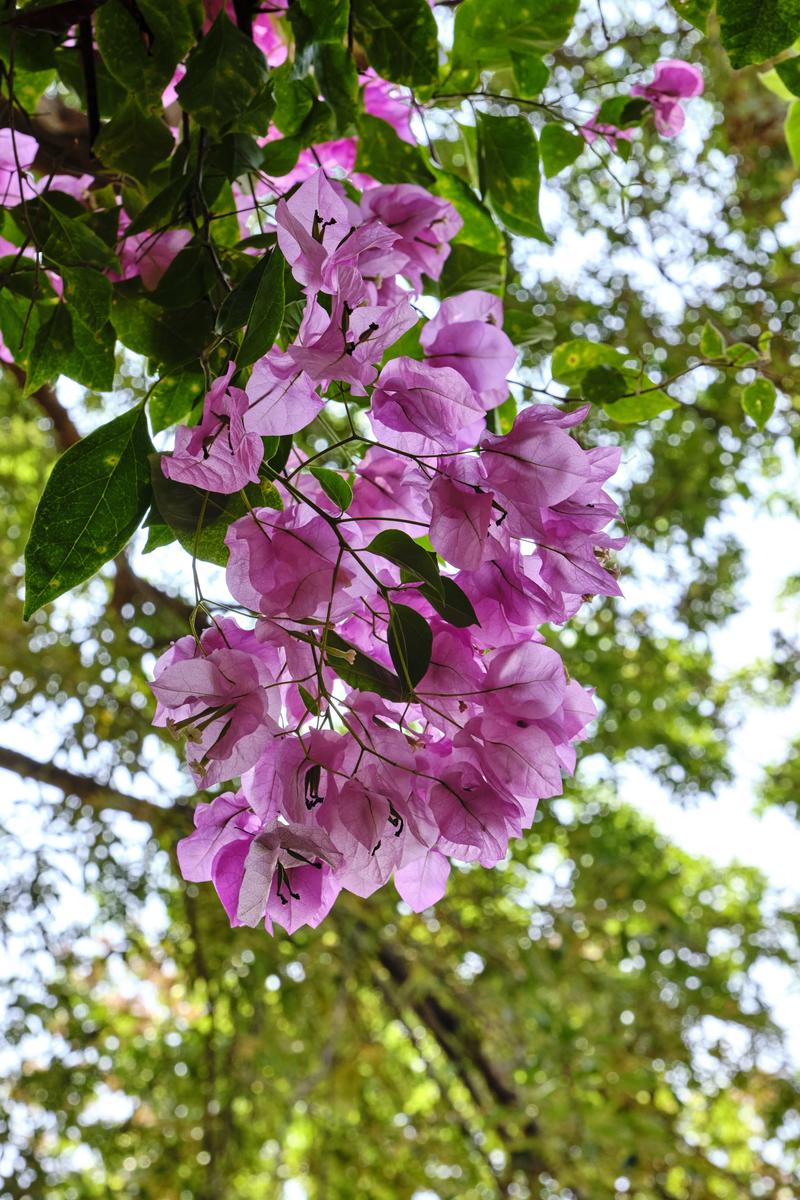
(99, 796)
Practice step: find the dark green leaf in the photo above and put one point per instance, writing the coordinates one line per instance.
(559, 148)
(338, 82)
(294, 98)
(143, 61)
(51, 348)
(88, 294)
(134, 141)
(189, 277)
(266, 313)
(400, 39)
(361, 672)
(410, 643)
(758, 401)
(603, 384)
(92, 504)
(382, 154)
(487, 31)
(789, 72)
(622, 111)
(161, 209)
(530, 73)
(334, 485)
(172, 339)
(279, 157)
(237, 306)
(508, 162)
(328, 18)
(467, 268)
(91, 361)
(174, 397)
(403, 551)
(453, 604)
(480, 229)
(225, 74)
(158, 536)
(526, 329)
(754, 30)
(71, 243)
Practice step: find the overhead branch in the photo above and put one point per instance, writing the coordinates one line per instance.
(100, 796)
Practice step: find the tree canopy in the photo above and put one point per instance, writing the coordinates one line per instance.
(584, 1019)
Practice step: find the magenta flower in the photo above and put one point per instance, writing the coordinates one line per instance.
(466, 335)
(433, 406)
(674, 80)
(593, 129)
(147, 255)
(218, 702)
(218, 454)
(281, 398)
(389, 102)
(425, 226)
(17, 152)
(461, 514)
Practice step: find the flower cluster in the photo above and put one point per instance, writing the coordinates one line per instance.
(388, 702)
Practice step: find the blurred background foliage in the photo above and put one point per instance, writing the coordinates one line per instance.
(582, 1023)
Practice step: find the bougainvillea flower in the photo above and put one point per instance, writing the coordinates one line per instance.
(218, 454)
(388, 101)
(434, 406)
(674, 80)
(593, 129)
(17, 152)
(466, 334)
(425, 226)
(282, 399)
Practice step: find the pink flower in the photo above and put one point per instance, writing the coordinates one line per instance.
(433, 406)
(389, 102)
(424, 223)
(288, 564)
(282, 399)
(149, 254)
(217, 700)
(593, 129)
(348, 344)
(466, 335)
(218, 454)
(674, 80)
(17, 152)
(460, 517)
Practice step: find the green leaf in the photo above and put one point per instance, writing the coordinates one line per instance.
(571, 360)
(530, 73)
(279, 157)
(157, 536)
(143, 61)
(403, 551)
(639, 405)
(71, 243)
(789, 73)
(385, 156)
(161, 209)
(51, 347)
(603, 384)
(189, 277)
(712, 343)
(559, 148)
(410, 643)
(200, 519)
(266, 313)
(311, 703)
(466, 268)
(360, 671)
(294, 98)
(487, 31)
(92, 359)
(334, 485)
(92, 504)
(480, 229)
(225, 74)
(758, 401)
(338, 82)
(88, 294)
(508, 163)
(696, 12)
(174, 397)
(237, 307)
(328, 18)
(526, 329)
(134, 141)
(453, 604)
(791, 131)
(622, 111)
(400, 39)
(741, 354)
(172, 339)
(754, 30)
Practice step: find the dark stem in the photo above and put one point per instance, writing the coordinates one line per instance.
(86, 47)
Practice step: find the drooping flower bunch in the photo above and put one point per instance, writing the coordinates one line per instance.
(387, 701)
(673, 81)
